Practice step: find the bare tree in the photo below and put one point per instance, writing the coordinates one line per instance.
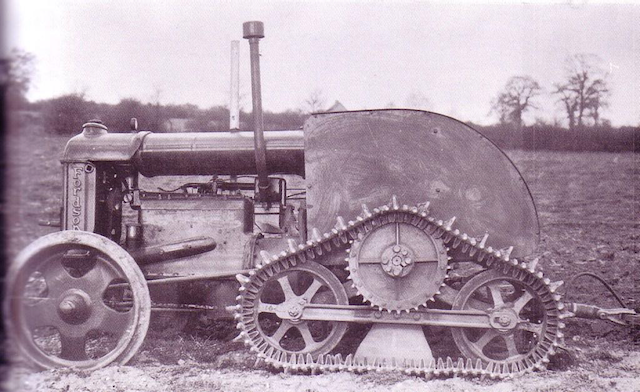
(516, 99)
(15, 76)
(585, 90)
(316, 102)
(569, 102)
(157, 117)
(598, 94)
(417, 100)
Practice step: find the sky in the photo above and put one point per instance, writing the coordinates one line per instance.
(451, 58)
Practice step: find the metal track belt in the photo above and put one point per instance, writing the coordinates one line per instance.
(339, 238)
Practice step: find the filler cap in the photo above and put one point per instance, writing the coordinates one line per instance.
(94, 128)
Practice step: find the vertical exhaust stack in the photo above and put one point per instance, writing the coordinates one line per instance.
(253, 31)
(234, 102)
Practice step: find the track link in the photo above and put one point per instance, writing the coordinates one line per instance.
(345, 233)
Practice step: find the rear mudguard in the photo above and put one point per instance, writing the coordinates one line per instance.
(360, 157)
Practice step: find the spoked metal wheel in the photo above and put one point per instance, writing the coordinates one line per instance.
(76, 299)
(288, 292)
(522, 323)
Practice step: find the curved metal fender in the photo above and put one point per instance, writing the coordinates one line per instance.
(360, 157)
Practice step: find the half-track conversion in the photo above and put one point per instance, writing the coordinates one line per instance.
(405, 222)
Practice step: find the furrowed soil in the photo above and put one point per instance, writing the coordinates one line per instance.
(589, 209)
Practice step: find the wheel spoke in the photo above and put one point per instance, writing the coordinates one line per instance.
(282, 329)
(522, 301)
(286, 287)
(496, 295)
(485, 338)
(57, 278)
(309, 342)
(266, 307)
(369, 261)
(114, 321)
(531, 327)
(73, 347)
(511, 345)
(40, 314)
(312, 290)
(98, 278)
(478, 304)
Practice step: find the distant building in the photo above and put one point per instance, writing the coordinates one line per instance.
(336, 107)
(176, 124)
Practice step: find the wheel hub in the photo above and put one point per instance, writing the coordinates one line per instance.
(74, 307)
(397, 261)
(503, 320)
(295, 308)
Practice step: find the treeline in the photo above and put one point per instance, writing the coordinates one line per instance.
(554, 138)
(65, 115)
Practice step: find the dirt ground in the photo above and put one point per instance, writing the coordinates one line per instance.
(589, 209)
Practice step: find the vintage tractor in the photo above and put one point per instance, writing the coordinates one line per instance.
(417, 222)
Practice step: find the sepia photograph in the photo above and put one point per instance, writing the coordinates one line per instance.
(320, 195)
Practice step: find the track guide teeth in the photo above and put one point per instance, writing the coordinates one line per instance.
(293, 247)
(449, 223)
(238, 338)
(266, 257)
(340, 225)
(365, 212)
(394, 203)
(315, 234)
(554, 286)
(242, 279)
(483, 241)
(507, 253)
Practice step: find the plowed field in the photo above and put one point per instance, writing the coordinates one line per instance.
(589, 210)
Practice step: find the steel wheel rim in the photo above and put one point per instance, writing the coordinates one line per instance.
(73, 303)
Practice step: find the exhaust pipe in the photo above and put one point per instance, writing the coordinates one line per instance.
(253, 31)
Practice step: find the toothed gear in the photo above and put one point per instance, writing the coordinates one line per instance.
(389, 264)
(523, 275)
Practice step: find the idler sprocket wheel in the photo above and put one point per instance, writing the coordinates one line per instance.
(523, 317)
(278, 305)
(398, 266)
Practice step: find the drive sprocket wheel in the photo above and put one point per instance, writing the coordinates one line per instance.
(76, 299)
(398, 266)
(272, 310)
(523, 315)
